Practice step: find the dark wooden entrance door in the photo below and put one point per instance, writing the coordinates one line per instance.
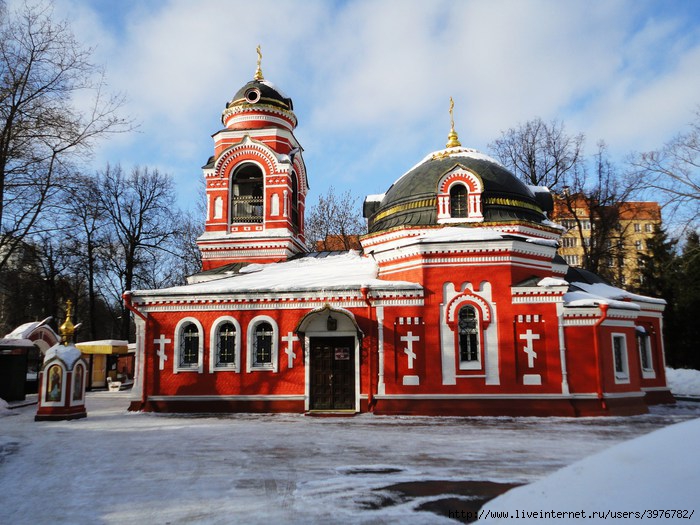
(332, 373)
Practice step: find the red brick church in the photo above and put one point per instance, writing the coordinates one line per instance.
(457, 304)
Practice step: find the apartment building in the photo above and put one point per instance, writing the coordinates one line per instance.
(617, 236)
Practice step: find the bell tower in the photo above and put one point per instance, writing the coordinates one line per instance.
(256, 180)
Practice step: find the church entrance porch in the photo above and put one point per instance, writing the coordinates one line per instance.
(332, 374)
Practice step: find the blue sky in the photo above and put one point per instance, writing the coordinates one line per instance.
(371, 80)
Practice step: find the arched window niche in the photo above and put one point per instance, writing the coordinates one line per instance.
(469, 338)
(247, 189)
(459, 197)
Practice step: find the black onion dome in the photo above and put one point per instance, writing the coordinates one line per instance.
(261, 92)
(412, 199)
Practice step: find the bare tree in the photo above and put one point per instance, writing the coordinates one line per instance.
(594, 203)
(142, 220)
(540, 154)
(334, 223)
(43, 72)
(673, 172)
(86, 231)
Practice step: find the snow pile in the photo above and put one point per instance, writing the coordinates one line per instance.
(649, 472)
(552, 281)
(617, 294)
(69, 354)
(4, 408)
(583, 299)
(683, 382)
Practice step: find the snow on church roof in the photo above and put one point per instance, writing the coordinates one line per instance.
(593, 294)
(338, 271)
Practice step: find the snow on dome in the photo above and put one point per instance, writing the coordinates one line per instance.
(452, 152)
(69, 354)
(375, 198)
(273, 86)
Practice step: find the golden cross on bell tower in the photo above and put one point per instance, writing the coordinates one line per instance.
(452, 138)
(258, 72)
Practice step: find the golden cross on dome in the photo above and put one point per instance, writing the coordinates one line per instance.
(452, 138)
(258, 72)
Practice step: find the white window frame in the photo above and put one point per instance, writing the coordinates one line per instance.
(644, 345)
(176, 353)
(81, 400)
(622, 376)
(45, 383)
(214, 345)
(251, 366)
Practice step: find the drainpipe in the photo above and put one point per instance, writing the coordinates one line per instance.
(370, 394)
(126, 296)
(596, 345)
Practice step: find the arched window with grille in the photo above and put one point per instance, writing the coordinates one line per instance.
(458, 202)
(468, 331)
(189, 347)
(262, 344)
(226, 345)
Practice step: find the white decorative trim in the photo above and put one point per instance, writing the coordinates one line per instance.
(379, 313)
(411, 381)
(81, 400)
(213, 344)
(228, 398)
(488, 342)
(176, 346)
(136, 393)
(56, 361)
(532, 379)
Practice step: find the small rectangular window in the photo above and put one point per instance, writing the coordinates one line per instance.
(619, 344)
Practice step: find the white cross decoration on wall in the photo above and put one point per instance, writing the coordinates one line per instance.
(289, 339)
(161, 341)
(529, 336)
(409, 339)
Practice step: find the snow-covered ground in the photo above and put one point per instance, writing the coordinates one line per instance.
(652, 477)
(120, 467)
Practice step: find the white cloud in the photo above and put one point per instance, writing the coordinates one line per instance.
(371, 80)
